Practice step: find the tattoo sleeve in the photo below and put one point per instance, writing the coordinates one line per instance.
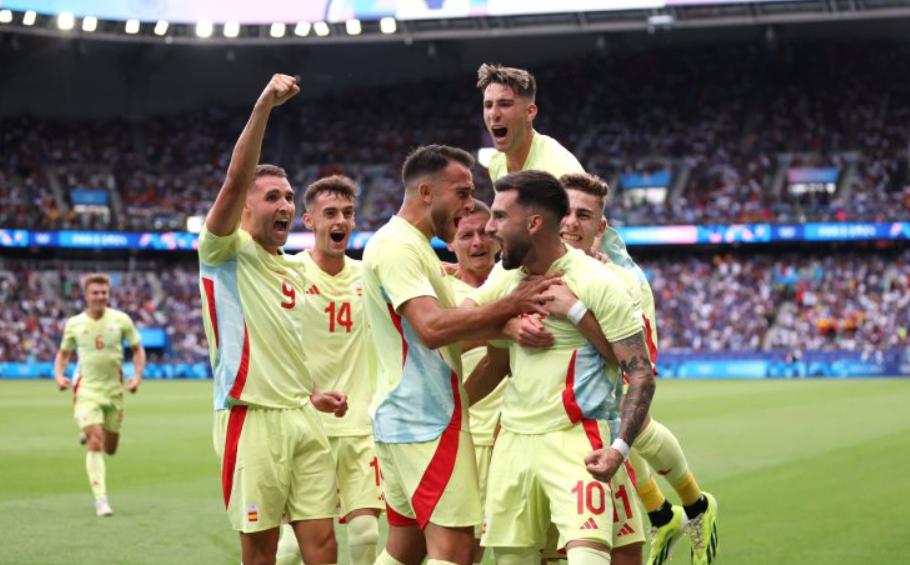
(635, 362)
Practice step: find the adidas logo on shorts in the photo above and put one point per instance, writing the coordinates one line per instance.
(589, 524)
(626, 530)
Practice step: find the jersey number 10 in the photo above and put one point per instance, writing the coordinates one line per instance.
(342, 317)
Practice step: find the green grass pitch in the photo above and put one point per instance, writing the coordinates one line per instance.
(805, 473)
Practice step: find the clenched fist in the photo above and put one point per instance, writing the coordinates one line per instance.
(279, 90)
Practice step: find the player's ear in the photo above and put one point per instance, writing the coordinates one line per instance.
(532, 111)
(601, 228)
(425, 191)
(535, 221)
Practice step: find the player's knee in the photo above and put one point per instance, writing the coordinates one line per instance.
(110, 448)
(363, 530)
(626, 555)
(516, 556)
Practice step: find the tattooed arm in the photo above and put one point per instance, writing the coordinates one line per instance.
(635, 362)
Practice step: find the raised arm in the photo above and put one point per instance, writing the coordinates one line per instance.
(225, 213)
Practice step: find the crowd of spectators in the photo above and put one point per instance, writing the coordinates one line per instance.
(846, 301)
(729, 120)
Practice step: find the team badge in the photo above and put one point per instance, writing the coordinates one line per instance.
(252, 512)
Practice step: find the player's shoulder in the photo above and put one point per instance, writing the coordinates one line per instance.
(119, 315)
(76, 319)
(553, 150)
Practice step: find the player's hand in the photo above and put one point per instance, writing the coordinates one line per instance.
(529, 298)
(603, 463)
(528, 331)
(63, 382)
(279, 90)
(600, 256)
(562, 300)
(132, 385)
(331, 402)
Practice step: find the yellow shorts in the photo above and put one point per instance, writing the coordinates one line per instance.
(433, 481)
(483, 454)
(538, 480)
(90, 410)
(274, 463)
(357, 472)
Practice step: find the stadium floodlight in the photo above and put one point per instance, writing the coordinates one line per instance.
(6, 16)
(353, 27)
(278, 30)
(132, 27)
(66, 21)
(302, 29)
(231, 29)
(89, 23)
(204, 29)
(29, 18)
(321, 29)
(161, 27)
(388, 25)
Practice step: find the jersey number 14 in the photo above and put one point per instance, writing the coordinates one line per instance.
(339, 316)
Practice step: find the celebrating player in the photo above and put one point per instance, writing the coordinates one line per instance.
(655, 444)
(509, 110)
(97, 336)
(476, 253)
(340, 357)
(559, 398)
(420, 414)
(276, 458)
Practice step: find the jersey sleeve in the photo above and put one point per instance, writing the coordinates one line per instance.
(616, 305)
(130, 333)
(402, 275)
(68, 343)
(215, 250)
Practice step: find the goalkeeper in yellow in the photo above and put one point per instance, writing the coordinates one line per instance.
(97, 337)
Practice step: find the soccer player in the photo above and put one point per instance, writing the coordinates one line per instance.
(559, 399)
(97, 336)
(420, 413)
(340, 358)
(476, 254)
(276, 460)
(509, 110)
(655, 444)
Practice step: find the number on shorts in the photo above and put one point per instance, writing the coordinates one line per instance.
(591, 497)
(621, 494)
(375, 465)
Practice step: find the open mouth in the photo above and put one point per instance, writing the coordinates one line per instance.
(499, 131)
(281, 226)
(337, 236)
(569, 236)
(478, 254)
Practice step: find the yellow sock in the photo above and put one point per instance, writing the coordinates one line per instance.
(288, 548)
(651, 496)
(587, 556)
(94, 466)
(688, 490)
(386, 559)
(363, 537)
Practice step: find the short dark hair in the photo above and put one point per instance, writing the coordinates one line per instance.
(266, 170)
(537, 189)
(339, 185)
(519, 80)
(431, 159)
(587, 183)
